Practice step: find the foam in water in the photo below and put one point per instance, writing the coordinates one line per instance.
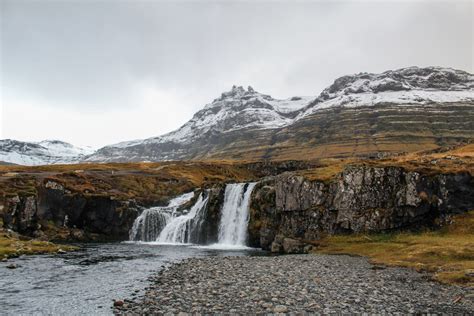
(179, 229)
(148, 226)
(165, 225)
(235, 216)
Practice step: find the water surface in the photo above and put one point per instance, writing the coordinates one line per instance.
(86, 281)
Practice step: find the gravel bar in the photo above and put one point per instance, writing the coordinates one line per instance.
(295, 284)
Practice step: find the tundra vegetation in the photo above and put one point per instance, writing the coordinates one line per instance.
(448, 252)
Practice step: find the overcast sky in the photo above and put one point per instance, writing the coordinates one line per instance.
(100, 72)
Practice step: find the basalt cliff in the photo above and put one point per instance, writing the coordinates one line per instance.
(293, 205)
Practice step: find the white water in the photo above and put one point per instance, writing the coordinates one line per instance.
(179, 229)
(235, 215)
(167, 225)
(150, 223)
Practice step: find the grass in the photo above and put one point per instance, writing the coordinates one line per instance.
(144, 182)
(447, 253)
(13, 245)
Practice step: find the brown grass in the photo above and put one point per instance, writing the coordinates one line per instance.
(447, 253)
(13, 245)
(144, 182)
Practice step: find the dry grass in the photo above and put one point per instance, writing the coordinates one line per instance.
(144, 182)
(447, 253)
(13, 245)
(457, 160)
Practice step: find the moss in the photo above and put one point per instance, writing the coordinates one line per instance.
(13, 245)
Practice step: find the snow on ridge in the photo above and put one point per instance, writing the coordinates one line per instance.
(242, 108)
(415, 97)
(60, 148)
(41, 153)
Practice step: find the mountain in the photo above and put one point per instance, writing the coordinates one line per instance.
(40, 153)
(233, 112)
(364, 114)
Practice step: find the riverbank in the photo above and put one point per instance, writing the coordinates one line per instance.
(13, 245)
(295, 283)
(446, 253)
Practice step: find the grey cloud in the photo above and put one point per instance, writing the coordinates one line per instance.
(89, 55)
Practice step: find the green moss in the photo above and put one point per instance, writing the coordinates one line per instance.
(13, 245)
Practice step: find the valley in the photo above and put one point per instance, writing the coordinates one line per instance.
(377, 165)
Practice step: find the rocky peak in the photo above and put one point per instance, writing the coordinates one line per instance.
(238, 92)
(411, 78)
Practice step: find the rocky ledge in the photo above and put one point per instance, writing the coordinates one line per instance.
(295, 283)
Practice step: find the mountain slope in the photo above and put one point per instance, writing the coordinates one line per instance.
(40, 153)
(364, 114)
(235, 111)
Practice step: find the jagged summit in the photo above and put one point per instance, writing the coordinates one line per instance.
(235, 110)
(239, 93)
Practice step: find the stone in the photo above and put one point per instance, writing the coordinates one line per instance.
(293, 246)
(118, 303)
(280, 309)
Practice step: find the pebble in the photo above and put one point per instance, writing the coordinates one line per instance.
(295, 284)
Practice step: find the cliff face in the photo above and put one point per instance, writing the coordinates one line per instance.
(360, 199)
(64, 215)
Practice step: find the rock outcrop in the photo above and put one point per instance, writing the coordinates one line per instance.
(360, 199)
(80, 217)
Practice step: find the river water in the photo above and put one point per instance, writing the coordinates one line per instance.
(85, 282)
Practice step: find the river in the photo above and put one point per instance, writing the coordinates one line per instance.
(86, 281)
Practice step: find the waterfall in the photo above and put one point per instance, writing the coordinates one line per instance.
(180, 229)
(235, 214)
(170, 225)
(148, 226)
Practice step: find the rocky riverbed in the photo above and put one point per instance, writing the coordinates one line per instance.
(295, 283)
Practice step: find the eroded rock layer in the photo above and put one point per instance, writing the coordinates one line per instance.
(360, 199)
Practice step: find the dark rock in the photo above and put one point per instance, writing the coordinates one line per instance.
(293, 246)
(362, 199)
(118, 303)
(86, 217)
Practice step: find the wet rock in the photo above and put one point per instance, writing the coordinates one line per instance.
(118, 303)
(12, 266)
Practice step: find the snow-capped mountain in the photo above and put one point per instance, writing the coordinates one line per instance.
(243, 123)
(233, 110)
(41, 153)
(411, 85)
(362, 114)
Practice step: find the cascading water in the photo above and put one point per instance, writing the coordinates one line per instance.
(167, 225)
(148, 226)
(235, 214)
(182, 228)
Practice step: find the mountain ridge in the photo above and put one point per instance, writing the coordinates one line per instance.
(246, 124)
